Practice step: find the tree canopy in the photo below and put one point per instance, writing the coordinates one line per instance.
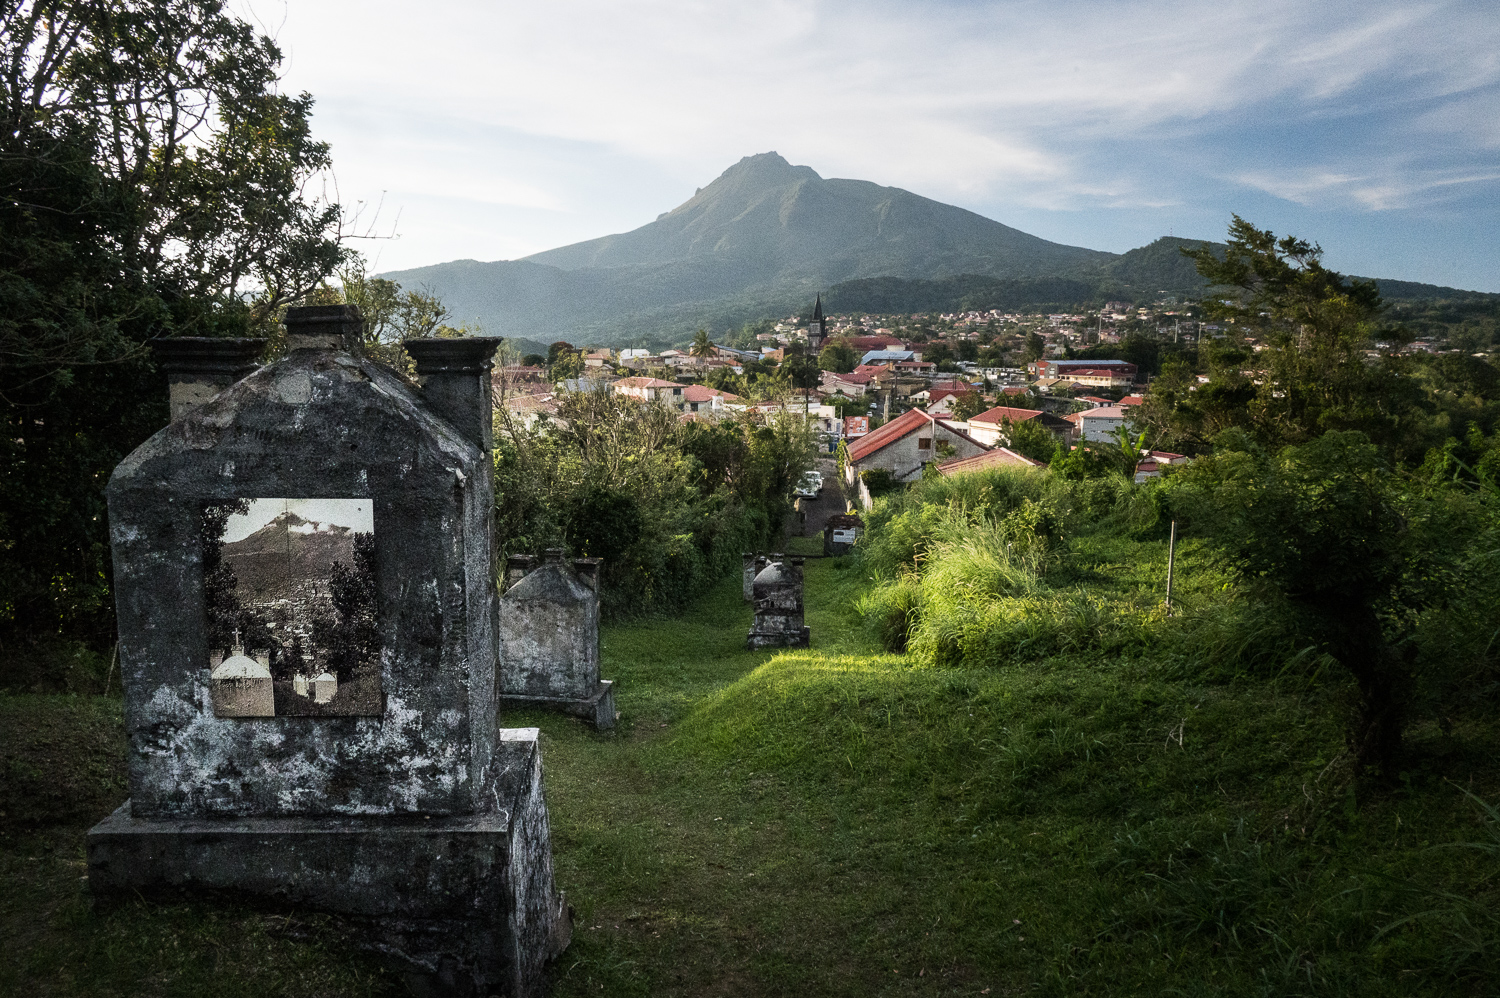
(156, 182)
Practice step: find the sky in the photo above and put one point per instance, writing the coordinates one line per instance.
(357, 515)
(493, 130)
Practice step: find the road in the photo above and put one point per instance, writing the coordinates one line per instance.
(814, 513)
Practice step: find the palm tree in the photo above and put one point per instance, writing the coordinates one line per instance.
(702, 345)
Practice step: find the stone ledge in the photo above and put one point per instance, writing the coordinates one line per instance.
(598, 708)
(465, 904)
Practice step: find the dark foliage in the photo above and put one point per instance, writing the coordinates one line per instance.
(153, 185)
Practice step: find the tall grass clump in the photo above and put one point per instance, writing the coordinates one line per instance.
(963, 568)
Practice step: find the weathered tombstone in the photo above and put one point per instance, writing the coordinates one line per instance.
(778, 606)
(337, 524)
(549, 641)
(748, 571)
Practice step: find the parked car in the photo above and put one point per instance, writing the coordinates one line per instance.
(809, 485)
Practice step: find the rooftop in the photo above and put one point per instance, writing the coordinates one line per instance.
(1004, 412)
(996, 458)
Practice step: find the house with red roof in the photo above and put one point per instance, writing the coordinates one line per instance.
(998, 457)
(701, 398)
(907, 444)
(991, 426)
(525, 411)
(1154, 460)
(518, 377)
(650, 390)
(1123, 371)
(852, 385)
(856, 427)
(864, 344)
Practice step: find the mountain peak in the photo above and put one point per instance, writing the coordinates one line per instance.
(769, 168)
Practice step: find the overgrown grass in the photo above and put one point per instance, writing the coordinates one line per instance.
(846, 821)
(835, 821)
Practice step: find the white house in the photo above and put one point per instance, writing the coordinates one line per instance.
(907, 444)
(651, 390)
(1100, 424)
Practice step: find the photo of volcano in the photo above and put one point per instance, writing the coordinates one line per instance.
(292, 607)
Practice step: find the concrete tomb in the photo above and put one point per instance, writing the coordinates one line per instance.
(549, 638)
(778, 605)
(307, 635)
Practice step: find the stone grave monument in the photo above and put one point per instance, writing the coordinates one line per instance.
(549, 639)
(307, 635)
(778, 605)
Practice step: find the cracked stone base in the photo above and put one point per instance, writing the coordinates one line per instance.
(598, 709)
(466, 904)
(779, 639)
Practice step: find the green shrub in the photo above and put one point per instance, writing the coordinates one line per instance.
(890, 609)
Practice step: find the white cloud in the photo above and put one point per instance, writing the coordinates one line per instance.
(1052, 105)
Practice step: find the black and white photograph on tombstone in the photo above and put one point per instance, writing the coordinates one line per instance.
(289, 588)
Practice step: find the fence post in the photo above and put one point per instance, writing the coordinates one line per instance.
(1171, 561)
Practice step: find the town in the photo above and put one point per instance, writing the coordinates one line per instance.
(777, 500)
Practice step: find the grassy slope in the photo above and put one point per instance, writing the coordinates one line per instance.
(835, 822)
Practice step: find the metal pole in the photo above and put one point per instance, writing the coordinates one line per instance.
(1171, 561)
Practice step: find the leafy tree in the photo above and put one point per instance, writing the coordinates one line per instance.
(1036, 347)
(1324, 530)
(565, 364)
(969, 405)
(353, 639)
(1130, 446)
(801, 371)
(1315, 325)
(724, 379)
(1029, 438)
(391, 314)
(1084, 461)
(937, 352)
(155, 184)
(838, 357)
(669, 505)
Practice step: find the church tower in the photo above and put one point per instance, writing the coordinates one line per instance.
(816, 331)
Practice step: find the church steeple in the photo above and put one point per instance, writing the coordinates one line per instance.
(815, 329)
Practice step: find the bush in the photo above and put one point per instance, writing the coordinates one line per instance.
(668, 506)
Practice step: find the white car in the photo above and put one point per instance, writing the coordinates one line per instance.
(810, 485)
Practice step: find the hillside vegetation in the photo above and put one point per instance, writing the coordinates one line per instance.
(845, 821)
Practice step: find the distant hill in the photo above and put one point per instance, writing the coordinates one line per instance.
(285, 553)
(758, 240)
(766, 236)
(1141, 275)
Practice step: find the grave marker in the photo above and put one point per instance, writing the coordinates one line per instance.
(323, 529)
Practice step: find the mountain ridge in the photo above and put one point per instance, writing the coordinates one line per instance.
(762, 239)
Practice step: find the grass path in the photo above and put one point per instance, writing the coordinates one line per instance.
(832, 821)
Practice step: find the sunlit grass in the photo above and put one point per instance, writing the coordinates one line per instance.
(843, 821)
